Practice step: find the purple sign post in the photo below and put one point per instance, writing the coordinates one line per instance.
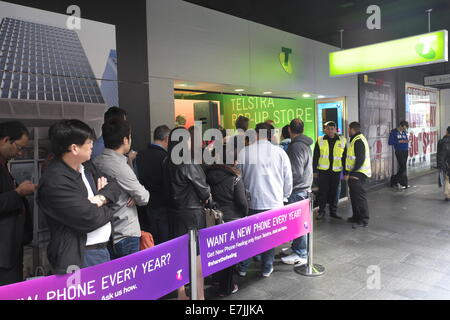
(146, 275)
(228, 244)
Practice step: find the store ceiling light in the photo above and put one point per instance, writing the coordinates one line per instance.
(239, 90)
(306, 95)
(321, 97)
(267, 92)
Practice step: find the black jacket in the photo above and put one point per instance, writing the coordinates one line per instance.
(149, 164)
(63, 199)
(299, 152)
(360, 154)
(228, 191)
(443, 154)
(16, 227)
(185, 185)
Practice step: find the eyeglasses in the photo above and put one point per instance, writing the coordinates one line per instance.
(18, 146)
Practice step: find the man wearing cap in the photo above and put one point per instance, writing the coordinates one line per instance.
(328, 163)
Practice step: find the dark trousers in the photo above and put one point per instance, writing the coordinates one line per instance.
(401, 177)
(359, 199)
(328, 188)
(11, 275)
(155, 221)
(159, 224)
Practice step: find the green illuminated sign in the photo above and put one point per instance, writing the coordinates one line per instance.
(284, 60)
(412, 51)
(260, 109)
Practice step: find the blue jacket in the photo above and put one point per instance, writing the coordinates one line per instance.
(394, 138)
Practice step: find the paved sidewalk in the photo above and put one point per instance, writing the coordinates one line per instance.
(408, 239)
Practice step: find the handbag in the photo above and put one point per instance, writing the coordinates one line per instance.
(213, 215)
(146, 241)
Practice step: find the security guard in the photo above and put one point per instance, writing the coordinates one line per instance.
(358, 170)
(328, 163)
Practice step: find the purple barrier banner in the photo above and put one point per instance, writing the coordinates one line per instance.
(146, 275)
(228, 244)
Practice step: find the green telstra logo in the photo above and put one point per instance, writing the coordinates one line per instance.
(425, 47)
(284, 60)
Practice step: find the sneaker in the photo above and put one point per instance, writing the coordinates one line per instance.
(287, 251)
(223, 295)
(335, 216)
(292, 259)
(242, 273)
(320, 216)
(302, 262)
(267, 274)
(360, 225)
(351, 220)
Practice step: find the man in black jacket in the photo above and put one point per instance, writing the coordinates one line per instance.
(358, 170)
(15, 215)
(153, 218)
(443, 161)
(76, 200)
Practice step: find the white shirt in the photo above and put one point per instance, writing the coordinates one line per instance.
(267, 175)
(102, 234)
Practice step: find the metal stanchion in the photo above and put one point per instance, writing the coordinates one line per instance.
(310, 269)
(193, 263)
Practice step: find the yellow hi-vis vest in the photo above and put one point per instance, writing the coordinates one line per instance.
(351, 157)
(338, 152)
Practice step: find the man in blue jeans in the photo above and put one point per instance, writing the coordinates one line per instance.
(267, 175)
(126, 227)
(300, 155)
(399, 140)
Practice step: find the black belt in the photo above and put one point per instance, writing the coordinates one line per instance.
(97, 246)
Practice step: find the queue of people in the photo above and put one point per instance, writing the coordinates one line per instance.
(99, 209)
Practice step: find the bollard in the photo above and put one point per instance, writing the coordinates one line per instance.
(310, 269)
(193, 262)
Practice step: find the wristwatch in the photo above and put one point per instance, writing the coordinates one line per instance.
(102, 198)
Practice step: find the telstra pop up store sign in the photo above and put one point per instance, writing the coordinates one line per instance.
(412, 51)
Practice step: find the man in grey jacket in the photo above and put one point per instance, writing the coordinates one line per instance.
(300, 154)
(113, 162)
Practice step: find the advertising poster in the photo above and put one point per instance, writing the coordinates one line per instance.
(422, 113)
(54, 67)
(225, 245)
(146, 275)
(377, 118)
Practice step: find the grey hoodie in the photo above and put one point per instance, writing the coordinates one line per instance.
(300, 154)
